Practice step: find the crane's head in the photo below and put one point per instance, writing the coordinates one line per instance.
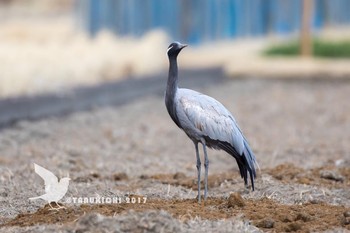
(175, 48)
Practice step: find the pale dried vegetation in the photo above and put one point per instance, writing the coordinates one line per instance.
(44, 50)
(40, 56)
(54, 55)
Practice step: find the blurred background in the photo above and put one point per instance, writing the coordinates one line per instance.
(53, 46)
(82, 92)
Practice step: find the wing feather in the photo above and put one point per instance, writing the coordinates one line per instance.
(201, 116)
(49, 178)
(210, 118)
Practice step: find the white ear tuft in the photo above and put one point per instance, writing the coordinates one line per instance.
(169, 49)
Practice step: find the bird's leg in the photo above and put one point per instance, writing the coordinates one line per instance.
(53, 208)
(206, 166)
(59, 206)
(198, 165)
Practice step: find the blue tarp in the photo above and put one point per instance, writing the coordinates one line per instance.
(196, 21)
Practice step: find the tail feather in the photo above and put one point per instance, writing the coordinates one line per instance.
(250, 160)
(34, 198)
(249, 155)
(246, 162)
(243, 172)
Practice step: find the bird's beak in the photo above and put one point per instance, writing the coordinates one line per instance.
(183, 46)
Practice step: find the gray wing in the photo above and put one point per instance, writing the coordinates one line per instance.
(208, 117)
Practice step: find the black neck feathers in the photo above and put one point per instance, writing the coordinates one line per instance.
(171, 89)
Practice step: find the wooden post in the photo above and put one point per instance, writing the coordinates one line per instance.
(306, 35)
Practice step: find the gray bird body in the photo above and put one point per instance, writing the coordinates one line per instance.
(202, 116)
(206, 121)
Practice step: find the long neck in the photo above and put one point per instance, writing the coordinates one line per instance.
(171, 90)
(172, 79)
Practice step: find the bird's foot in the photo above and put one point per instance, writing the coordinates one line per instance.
(246, 189)
(56, 208)
(202, 199)
(53, 208)
(205, 195)
(199, 198)
(60, 206)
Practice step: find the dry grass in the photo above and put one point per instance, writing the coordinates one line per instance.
(42, 50)
(53, 55)
(40, 56)
(111, 152)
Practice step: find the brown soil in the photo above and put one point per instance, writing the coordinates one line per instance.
(295, 128)
(264, 213)
(327, 176)
(181, 179)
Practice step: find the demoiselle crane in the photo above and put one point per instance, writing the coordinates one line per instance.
(206, 121)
